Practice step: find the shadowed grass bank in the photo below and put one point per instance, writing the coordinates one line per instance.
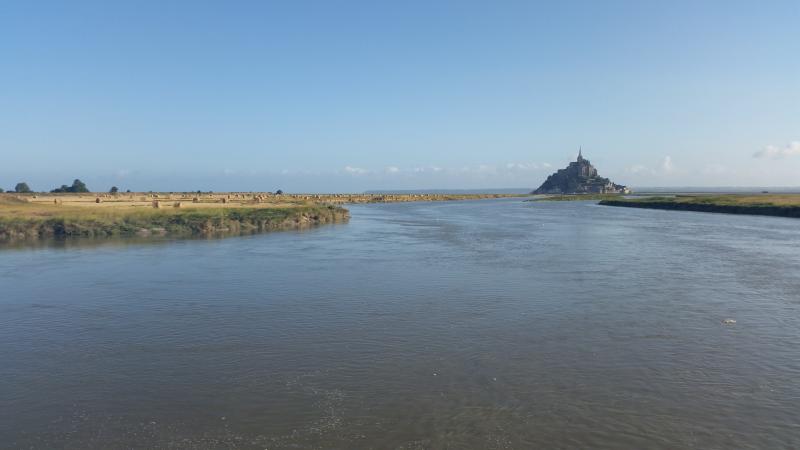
(780, 205)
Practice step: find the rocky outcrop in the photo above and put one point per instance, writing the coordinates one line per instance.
(579, 177)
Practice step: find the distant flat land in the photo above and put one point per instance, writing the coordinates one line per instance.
(782, 205)
(33, 216)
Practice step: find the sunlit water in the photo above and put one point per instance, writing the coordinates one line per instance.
(484, 324)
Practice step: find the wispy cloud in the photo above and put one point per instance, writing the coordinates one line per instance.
(639, 168)
(526, 166)
(665, 167)
(355, 170)
(775, 152)
(479, 170)
(716, 169)
(666, 164)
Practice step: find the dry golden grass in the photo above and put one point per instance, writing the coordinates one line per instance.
(86, 206)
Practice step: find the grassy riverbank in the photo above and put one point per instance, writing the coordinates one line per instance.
(782, 205)
(22, 219)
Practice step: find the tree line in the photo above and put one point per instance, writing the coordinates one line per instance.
(77, 186)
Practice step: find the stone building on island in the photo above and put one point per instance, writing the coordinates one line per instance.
(579, 177)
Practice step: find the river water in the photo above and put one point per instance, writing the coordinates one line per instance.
(482, 324)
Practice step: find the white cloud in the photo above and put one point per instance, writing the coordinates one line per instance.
(665, 167)
(525, 166)
(775, 152)
(638, 168)
(484, 171)
(716, 169)
(355, 170)
(666, 164)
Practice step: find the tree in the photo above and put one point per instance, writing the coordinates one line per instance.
(22, 188)
(279, 192)
(113, 190)
(77, 186)
(1, 190)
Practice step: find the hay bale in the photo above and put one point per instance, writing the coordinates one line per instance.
(176, 205)
(97, 200)
(224, 200)
(156, 204)
(195, 200)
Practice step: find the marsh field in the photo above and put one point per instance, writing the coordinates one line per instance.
(782, 205)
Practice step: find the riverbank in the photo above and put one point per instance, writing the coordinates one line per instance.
(50, 215)
(26, 220)
(780, 205)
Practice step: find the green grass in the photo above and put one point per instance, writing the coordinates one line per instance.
(21, 220)
(784, 205)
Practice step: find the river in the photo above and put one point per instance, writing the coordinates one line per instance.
(476, 324)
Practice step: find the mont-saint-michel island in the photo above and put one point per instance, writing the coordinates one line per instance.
(579, 177)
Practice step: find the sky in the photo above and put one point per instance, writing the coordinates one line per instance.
(335, 96)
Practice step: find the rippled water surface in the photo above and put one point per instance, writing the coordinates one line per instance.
(484, 324)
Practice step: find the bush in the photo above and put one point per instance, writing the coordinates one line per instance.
(22, 188)
(113, 190)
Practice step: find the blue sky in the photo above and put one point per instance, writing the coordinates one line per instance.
(348, 96)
